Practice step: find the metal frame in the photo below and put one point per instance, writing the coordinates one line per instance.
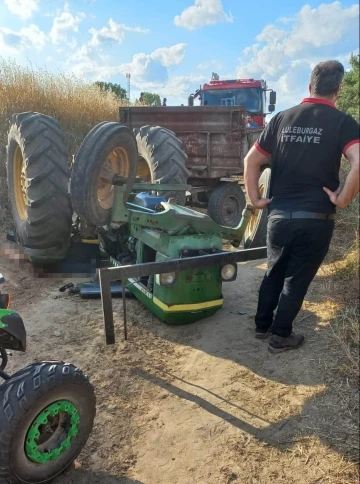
(122, 273)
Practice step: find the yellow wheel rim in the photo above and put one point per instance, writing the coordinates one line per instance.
(256, 214)
(116, 163)
(143, 170)
(20, 185)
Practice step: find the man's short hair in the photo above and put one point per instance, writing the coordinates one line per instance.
(326, 78)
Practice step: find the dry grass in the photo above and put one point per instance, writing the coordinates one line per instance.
(77, 105)
(341, 284)
(341, 287)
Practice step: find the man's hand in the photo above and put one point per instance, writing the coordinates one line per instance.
(253, 160)
(335, 197)
(343, 198)
(261, 203)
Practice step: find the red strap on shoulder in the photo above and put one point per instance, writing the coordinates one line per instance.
(262, 151)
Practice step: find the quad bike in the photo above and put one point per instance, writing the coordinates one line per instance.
(47, 410)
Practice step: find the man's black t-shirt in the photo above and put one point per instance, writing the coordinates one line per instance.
(306, 143)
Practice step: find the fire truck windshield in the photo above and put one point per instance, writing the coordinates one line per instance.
(249, 97)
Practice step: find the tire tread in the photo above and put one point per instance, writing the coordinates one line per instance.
(24, 388)
(46, 158)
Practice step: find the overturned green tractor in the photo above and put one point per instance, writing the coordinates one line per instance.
(112, 196)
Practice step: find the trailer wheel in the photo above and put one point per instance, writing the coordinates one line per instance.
(38, 177)
(108, 149)
(226, 204)
(161, 159)
(255, 234)
(46, 416)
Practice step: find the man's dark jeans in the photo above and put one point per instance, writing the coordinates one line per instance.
(296, 249)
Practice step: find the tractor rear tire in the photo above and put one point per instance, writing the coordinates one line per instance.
(255, 234)
(162, 159)
(108, 149)
(38, 177)
(226, 204)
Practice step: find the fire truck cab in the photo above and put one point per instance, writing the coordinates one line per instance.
(249, 93)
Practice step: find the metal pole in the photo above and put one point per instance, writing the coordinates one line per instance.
(105, 286)
(123, 282)
(128, 78)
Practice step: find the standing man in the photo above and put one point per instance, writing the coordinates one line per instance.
(250, 123)
(305, 143)
(164, 102)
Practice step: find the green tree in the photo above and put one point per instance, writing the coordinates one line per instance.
(151, 99)
(119, 91)
(349, 99)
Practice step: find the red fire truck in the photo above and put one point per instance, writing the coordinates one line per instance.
(250, 93)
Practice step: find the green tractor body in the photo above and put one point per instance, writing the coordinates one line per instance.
(157, 231)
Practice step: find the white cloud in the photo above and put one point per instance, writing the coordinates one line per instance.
(285, 53)
(149, 72)
(22, 8)
(151, 69)
(64, 22)
(204, 12)
(207, 66)
(113, 33)
(30, 37)
(169, 56)
(144, 69)
(182, 86)
(87, 61)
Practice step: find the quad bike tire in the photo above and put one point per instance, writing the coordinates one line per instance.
(46, 416)
(162, 159)
(38, 176)
(255, 234)
(226, 204)
(108, 149)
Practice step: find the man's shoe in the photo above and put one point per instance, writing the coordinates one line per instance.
(278, 344)
(262, 333)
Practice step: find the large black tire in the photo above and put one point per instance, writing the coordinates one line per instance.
(255, 234)
(226, 204)
(162, 159)
(23, 399)
(107, 149)
(38, 177)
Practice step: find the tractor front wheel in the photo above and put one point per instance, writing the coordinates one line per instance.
(46, 416)
(108, 149)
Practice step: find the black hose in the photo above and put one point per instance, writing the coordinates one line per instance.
(4, 359)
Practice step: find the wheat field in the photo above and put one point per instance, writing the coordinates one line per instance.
(75, 103)
(78, 106)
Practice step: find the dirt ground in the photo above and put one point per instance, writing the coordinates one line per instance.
(204, 403)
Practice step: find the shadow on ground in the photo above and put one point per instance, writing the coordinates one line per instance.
(338, 432)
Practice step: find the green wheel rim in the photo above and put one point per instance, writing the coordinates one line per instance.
(52, 432)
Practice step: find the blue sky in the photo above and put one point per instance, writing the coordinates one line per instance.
(171, 47)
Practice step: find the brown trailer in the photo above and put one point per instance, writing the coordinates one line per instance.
(203, 146)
